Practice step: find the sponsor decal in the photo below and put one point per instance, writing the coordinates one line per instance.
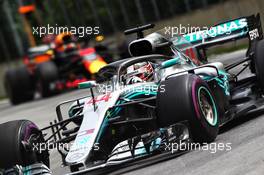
(86, 132)
(100, 98)
(253, 34)
(83, 140)
(226, 28)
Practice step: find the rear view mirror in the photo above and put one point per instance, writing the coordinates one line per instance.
(207, 71)
(87, 85)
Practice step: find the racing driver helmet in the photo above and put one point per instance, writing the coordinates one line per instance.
(65, 42)
(139, 72)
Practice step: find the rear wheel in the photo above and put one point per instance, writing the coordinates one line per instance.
(18, 140)
(19, 85)
(188, 98)
(259, 63)
(47, 75)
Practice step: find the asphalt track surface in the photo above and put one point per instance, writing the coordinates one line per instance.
(245, 136)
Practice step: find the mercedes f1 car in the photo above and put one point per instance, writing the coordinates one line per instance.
(140, 105)
(49, 69)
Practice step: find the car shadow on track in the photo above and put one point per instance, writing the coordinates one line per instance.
(241, 120)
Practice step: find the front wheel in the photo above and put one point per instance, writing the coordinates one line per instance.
(19, 85)
(19, 140)
(188, 98)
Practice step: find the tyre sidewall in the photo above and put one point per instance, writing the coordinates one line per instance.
(12, 150)
(199, 125)
(19, 85)
(179, 102)
(47, 73)
(259, 63)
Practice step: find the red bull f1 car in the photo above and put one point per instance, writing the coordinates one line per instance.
(49, 69)
(140, 105)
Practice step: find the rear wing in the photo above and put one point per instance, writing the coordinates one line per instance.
(244, 27)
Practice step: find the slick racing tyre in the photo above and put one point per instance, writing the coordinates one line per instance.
(188, 98)
(19, 85)
(259, 63)
(17, 139)
(47, 73)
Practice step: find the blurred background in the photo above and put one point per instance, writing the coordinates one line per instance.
(18, 17)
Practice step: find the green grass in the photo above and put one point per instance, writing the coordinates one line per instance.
(3, 97)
